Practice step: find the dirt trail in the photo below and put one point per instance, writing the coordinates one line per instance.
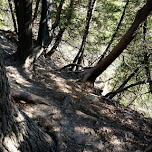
(82, 121)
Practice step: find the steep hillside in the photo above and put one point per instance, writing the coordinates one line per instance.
(78, 119)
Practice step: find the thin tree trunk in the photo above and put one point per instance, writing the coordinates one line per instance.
(36, 9)
(13, 17)
(16, 3)
(58, 14)
(57, 21)
(118, 49)
(42, 40)
(79, 56)
(147, 69)
(43, 34)
(56, 43)
(146, 57)
(61, 31)
(116, 31)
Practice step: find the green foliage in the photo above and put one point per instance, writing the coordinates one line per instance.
(133, 57)
(5, 16)
(2, 13)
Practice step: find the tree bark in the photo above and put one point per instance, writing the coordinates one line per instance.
(118, 49)
(24, 19)
(13, 17)
(17, 132)
(43, 34)
(146, 57)
(36, 9)
(43, 39)
(16, 3)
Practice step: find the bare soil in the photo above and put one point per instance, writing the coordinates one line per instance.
(81, 120)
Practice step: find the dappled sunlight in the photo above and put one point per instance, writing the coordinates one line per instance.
(115, 141)
(84, 130)
(10, 145)
(80, 119)
(62, 85)
(17, 77)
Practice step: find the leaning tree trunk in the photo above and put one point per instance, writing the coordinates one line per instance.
(17, 132)
(58, 14)
(13, 17)
(36, 10)
(142, 14)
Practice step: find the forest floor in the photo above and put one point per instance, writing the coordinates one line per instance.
(81, 120)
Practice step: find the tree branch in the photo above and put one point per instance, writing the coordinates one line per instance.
(126, 88)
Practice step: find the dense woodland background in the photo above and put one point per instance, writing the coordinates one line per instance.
(106, 44)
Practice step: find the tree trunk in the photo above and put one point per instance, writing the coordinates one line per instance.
(56, 43)
(118, 49)
(17, 132)
(24, 19)
(146, 57)
(147, 69)
(36, 9)
(61, 31)
(16, 3)
(43, 34)
(58, 14)
(13, 17)
(79, 56)
(43, 39)
(130, 86)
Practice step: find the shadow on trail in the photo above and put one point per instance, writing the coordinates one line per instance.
(80, 123)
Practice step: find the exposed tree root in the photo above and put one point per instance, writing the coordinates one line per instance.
(28, 97)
